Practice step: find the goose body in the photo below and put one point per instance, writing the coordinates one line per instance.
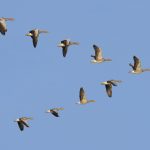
(34, 34)
(22, 122)
(98, 58)
(136, 68)
(3, 27)
(108, 85)
(82, 97)
(64, 44)
(54, 111)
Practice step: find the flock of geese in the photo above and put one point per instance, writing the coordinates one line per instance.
(64, 44)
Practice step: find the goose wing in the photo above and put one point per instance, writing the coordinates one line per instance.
(20, 125)
(42, 31)
(114, 82)
(57, 109)
(64, 50)
(2, 32)
(65, 47)
(3, 28)
(137, 63)
(109, 89)
(55, 113)
(82, 95)
(35, 41)
(35, 34)
(111, 82)
(98, 52)
(24, 123)
(10, 19)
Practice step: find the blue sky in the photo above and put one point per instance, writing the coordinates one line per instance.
(33, 80)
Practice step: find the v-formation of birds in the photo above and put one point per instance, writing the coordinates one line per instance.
(64, 44)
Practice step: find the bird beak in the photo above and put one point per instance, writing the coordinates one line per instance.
(28, 34)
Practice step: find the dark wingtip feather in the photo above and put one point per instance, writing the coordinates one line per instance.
(3, 33)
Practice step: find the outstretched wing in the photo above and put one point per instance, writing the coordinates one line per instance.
(98, 52)
(3, 28)
(57, 109)
(109, 89)
(64, 50)
(137, 63)
(2, 32)
(65, 47)
(20, 125)
(111, 82)
(11, 19)
(114, 82)
(55, 113)
(34, 36)
(24, 123)
(82, 94)
(35, 41)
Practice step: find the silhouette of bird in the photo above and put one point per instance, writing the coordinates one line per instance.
(34, 34)
(54, 111)
(22, 122)
(98, 58)
(82, 97)
(65, 44)
(137, 69)
(108, 85)
(3, 27)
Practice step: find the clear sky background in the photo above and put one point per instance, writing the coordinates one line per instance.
(33, 80)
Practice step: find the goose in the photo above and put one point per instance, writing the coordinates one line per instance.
(108, 85)
(98, 58)
(137, 69)
(22, 122)
(82, 97)
(34, 34)
(3, 27)
(64, 44)
(54, 111)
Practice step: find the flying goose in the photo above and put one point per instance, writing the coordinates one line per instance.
(22, 122)
(98, 58)
(137, 69)
(65, 44)
(108, 85)
(82, 97)
(54, 111)
(34, 34)
(3, 27)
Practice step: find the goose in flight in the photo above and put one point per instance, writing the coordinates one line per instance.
(22, 122)
(54, 111)
(34, 34)
(3, 27)
(98, 58)
(137, 69)
(64, 44)
(82, 97)
(108, 85)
